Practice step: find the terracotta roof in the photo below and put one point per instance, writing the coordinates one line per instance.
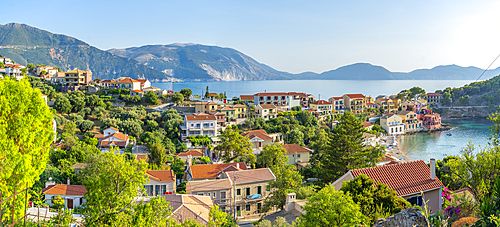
(191, 152)
(267, 106)
(127, 81)
(117, 135)
(161, 175)
(405, 178)
(76, 70)
(434, 94)
(109, 143)
(405, 112)
(321, 102)
(387, 158)
(142, 80)
(368, 135)
(208, 185)
(370, 104)
(336, 98)
(366, 124)
(207, 117)
(257, 133)
(106, 81)
(190, 207)
(251, 175)
(246, 97)
(353, 96)
(277, 93)
(138, 91)
(151, 88)
(295, 148)
(226, 108)
(239, 106)
(211, 171)
(64, 189)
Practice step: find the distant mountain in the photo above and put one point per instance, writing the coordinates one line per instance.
(25, 44)
(366, 71)
(189, 62)
(197, 62)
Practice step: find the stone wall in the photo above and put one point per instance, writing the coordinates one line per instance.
(411, 217)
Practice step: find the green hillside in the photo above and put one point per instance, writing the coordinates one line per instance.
(25, 44)
(201, 62)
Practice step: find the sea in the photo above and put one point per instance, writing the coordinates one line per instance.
(419, 146)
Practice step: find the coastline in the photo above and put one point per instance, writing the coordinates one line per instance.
(395, 151)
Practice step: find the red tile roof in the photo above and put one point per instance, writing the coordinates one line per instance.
(354, 96)
(267, 106)
(336, 98)
(64, 189)
(251, 175)
(138, 91)
(257, 133)
(211, 171)
(295, 148)
(208, 117)
(142, 80)
(161, 175)
(142, 157)
(367, 124)
(405, 178)
(434, 94)
(246, 97)
(127, 81)
(321, 102)
(191, 152)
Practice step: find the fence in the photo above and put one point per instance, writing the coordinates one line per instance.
(26, 214)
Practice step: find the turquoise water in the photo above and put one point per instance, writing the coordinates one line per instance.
(323, 89)
(438, 144)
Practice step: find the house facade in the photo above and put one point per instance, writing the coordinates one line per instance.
(161, 182)
(434, 98)
(190, 153)
(219, 190)
(285, 100)
(210, 172)
(413, 181)
(337, 105)
(386, 104)
(392, 124)
(76, 78)
(72, 194)
(356, 103)
(297, 155)
(322, 106)
(189, 207)
(432, 121)
(200, 124)
(251, 191)
(259, 139)
(411, 122)
(266, 111)
(112, 137)
(205, 107)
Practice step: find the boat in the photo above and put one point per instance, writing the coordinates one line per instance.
(448, 134)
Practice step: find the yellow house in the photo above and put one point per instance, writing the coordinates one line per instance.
(205, 107)
(240, 111)
(411, 122)
(321, 106)
(297, 155)
(392, 124)
(387, 105)
(356, 103)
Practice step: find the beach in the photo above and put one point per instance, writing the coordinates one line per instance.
(395, 150)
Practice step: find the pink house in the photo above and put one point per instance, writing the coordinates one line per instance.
(432, 121)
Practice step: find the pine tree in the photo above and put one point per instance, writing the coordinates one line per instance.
(344, 150)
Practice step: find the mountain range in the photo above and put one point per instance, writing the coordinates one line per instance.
(188, 62)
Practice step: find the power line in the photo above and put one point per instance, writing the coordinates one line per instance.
(487, 68)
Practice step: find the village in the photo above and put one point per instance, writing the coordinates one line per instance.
(198, 173)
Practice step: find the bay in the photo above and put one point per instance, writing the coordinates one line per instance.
(322, 89)
(424, 146)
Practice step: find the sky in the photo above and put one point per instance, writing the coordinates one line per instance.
(291, 36)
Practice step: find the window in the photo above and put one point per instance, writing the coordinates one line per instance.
(209, 194)
(247, 191)
(211, 124)
(298, 155)
(247, 207)
(157, 190)
(415, 200)
(214, 195)
(200, 193)
(259, 190)
(238, 191)
(222, 196)
(259, 207)
(149, 190)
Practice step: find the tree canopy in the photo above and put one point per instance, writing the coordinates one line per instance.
(25, 137)
(234, 147)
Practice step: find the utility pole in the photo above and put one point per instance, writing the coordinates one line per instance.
(234, 195)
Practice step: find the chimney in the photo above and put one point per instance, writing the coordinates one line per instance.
(189, 160)
(290, 199)
(433, 169)
(238, 165)
(68, 181)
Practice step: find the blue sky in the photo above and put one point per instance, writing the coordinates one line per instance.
(292, 36)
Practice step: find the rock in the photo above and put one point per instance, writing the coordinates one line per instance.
(411, 217)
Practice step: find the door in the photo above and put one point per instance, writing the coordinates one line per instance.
(238, 211)
(70, 203)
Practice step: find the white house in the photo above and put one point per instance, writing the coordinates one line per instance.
(112, 137)
(285, 100)
(14, 71)
(72, 194)
(161, 182)
(199, 124)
